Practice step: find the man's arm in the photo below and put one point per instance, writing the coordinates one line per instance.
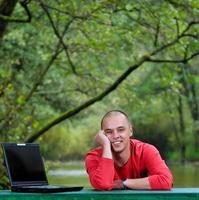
(159, 175)
(104, 142)
(100, 168)
(139, 183)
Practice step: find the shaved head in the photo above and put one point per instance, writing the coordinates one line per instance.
(114, 113)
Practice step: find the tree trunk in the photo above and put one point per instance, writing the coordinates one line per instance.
(195, 114)
(182, 130)
(190, 93)
(6, 8)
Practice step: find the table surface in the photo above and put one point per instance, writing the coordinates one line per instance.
(89, 194)
(91, 191)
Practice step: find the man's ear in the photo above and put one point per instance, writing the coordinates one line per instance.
(131, 134)
(131, 131)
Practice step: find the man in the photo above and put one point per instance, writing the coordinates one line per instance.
(124, 163)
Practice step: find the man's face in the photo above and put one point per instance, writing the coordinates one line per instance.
(118, 131)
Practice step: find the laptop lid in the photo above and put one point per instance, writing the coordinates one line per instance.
(24, 164)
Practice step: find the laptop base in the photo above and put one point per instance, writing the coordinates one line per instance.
(46, 189)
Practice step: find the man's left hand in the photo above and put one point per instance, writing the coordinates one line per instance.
(117, 185)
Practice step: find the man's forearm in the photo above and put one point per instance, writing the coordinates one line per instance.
(140, 183)
(107, 151)
(104, 142)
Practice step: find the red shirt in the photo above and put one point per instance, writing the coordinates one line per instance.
(144, 161)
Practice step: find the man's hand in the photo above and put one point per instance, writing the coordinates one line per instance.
(103, 141)
(117, 185)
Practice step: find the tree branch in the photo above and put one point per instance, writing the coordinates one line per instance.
(6, 9)
(184, 60)
(9, 115)
(111, 88)
(175, 40)
(76, 110)
(24, 4)
(157, 34)
(177, 26)
(180, 4)
(59, 37)
(53, 58)
(43, 73)
(192, 35)
(81, 17)
(190, 24)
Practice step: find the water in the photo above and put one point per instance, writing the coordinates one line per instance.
(70, 173)
(75, 174)
(185, 175)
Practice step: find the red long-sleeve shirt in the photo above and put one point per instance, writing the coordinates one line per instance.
(144, 161)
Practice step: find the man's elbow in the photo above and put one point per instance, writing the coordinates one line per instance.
(100, 185)
(161, 183)
(168, 182)
(166, 186)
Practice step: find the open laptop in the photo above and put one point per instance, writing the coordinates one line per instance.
(26, 170)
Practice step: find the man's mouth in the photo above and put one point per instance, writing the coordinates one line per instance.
(116, 142)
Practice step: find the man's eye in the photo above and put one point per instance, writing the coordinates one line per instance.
(121, 129)
(108, 132)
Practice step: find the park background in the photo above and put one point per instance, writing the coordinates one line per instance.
(64, 63)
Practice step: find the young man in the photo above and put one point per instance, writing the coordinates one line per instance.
(123, 163)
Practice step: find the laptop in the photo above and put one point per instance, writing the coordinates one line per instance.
(26, 170)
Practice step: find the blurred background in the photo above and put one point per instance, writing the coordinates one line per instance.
(64, 64)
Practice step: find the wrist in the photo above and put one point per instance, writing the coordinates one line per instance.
(107, 151)
(124, 184)
(106, 143)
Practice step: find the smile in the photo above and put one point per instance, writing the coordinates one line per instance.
(116, 142)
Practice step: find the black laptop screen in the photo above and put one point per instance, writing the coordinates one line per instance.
(25, 163)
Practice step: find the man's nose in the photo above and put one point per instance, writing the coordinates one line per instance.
(115, 134)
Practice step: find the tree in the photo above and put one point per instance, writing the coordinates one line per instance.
(58, 59)
(89, 29)
(6, 10)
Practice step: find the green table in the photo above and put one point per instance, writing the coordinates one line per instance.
(175, 193)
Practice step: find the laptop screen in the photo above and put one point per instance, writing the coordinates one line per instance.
(24, 163)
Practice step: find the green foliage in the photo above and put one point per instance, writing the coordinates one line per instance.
(4, 184)
(40, 77)
(69, 141)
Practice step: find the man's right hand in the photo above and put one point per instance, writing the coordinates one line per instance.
(103, 141)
